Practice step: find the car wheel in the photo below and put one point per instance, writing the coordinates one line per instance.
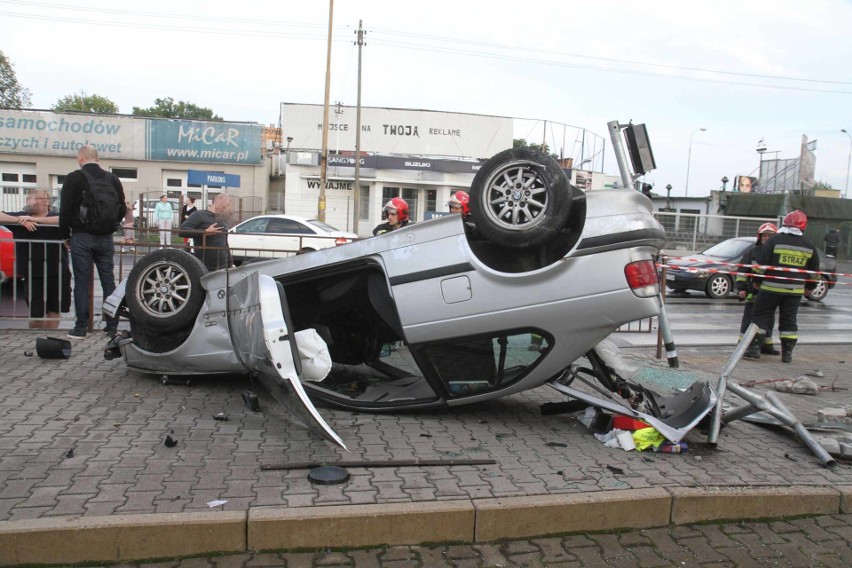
(164, 292)
(819, 292)
(718, 286)
(520, 198)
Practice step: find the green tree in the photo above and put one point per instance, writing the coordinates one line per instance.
(522, 143)
(12, 94)
(821, 185)
(95, 104)
(168, 108)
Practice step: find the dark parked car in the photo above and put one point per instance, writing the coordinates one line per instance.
(711, 271)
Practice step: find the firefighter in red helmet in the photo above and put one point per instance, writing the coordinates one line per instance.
(396, 213)
(748, 287)
(460, 203)
(783, 289)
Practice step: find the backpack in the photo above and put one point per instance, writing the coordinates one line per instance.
(100, 206)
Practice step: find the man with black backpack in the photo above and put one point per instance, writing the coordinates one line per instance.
(91, 208)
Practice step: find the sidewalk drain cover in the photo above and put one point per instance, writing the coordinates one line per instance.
(328, 475)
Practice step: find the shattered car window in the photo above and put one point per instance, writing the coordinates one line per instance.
(483, 363)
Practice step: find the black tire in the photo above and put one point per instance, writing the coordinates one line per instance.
(163, 291)
(718, 286)
(520, 199)
(820, 292)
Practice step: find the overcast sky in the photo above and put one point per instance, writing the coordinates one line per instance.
(743, 69)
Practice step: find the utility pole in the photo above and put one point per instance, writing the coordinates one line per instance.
(356, 191)
(324, 156)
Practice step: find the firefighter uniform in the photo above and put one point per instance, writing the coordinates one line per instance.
(781, 289)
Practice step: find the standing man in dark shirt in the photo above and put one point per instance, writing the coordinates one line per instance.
(87, 247)
(209, 229)
(42, 266)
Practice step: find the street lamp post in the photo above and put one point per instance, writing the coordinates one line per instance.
(848, 162)
(668, 196)
(689, 159)
(724, 182)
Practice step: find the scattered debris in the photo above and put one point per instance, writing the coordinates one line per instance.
(839, 446)
(615, 470)
(617, 439)
(328, 475)
(791, 458)
(216, 502)
(425, 435)
(221, 417)
(835, 415)
(815, 373)
(556, 445)
(250, 399)
(672, 448)
(69, 453)
(170, 442)
(750, 384)
(832, 387)
(28, 353)
(387, 463)
(799, 385)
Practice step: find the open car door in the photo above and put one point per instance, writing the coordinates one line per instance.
(265, 341)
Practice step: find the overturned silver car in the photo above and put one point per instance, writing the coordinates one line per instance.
(444, 312)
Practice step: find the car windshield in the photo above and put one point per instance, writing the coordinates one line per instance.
(728, 249)
(323, 226)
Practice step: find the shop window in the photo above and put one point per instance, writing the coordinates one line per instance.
(364, 202)
(126, 174)
(29, 178)
(431, 200)
(10, 177)
(172, 182)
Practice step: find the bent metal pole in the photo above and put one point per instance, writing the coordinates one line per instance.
(627, 181)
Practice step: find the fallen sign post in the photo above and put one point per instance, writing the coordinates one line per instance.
(373, 463)
(770, 404)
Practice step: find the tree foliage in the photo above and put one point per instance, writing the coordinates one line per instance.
(522, 143)
(94, 104)
(12, 94)
(821, 185)
(168, 108)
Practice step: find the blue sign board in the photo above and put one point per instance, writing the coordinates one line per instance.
(212, 179)
(199, 141)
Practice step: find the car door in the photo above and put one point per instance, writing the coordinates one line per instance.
(263, 337)
(284, 236)
(248, 239)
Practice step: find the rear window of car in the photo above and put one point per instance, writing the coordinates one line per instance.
(323, 226)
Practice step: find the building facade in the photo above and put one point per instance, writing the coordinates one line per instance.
(151, 156)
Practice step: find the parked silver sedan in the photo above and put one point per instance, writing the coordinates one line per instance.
(444, 312)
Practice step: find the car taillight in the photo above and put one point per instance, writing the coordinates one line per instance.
(341, 241)
(642, 278)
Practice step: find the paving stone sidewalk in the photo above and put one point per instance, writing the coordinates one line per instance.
(804, 542)
(85, 437)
